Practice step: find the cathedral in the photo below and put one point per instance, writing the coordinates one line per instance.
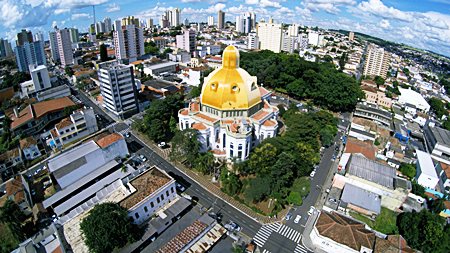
(233, 113)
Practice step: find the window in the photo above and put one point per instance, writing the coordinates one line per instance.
(137, 215)
(152, 205)
(157, 200)
(167, 193)
(162, 196)
(145, 209)
(171, 190)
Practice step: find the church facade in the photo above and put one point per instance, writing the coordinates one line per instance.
(233, 113)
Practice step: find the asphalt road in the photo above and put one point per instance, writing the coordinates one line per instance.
(250, 226)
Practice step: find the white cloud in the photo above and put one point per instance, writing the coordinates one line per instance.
(264, 3)
(113, 7)
(190, 1)
(377, 8)
(384, 24)
(330, 6)
(76, 16)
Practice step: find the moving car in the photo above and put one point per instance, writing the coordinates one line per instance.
(143, 158)
(297, 218)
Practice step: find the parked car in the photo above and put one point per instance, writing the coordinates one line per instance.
(312, 173)
(311, 210)
(180, 187)
(288, 216)
(127, 135)
(143, 158)
(297, 219)
(161, 144)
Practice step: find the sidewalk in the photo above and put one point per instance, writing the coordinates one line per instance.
(212, 188)
(306, 239)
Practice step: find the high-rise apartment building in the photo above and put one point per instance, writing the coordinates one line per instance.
(351, 36)
(221, 19)
(118, 89)
(28, 52)
(377, 61)
(128, 41)
(100, 27)
(149, 23)
(210, 21)
(293, 30)
(253, 17)
(130, 20)
(74, 35)
(108, 24)
(164, 21)
(239, 26)
(313, 38)
(64, 46)
(289, 43)
(5, 48)
(23, 37)
(39, 36)
(53, 46)
(186, 40)
(174, 16)
(270, 36)
(247, 22)
(40, 77)
(253, 41)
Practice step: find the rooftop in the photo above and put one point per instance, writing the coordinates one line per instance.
(371, 171)
(183, 238)
(361, 198)
(426, 164)
(145, 184)
(345, 230)
(442, 135)
(364, 147)
(109, 139)
(27, 142)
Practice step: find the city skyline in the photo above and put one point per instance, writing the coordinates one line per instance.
(423, 24)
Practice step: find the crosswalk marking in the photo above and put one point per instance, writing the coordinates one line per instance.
(289, 233)
(265, 251)
(264, 233)
(300, 249)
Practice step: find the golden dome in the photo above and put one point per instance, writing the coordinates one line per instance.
(230, 87)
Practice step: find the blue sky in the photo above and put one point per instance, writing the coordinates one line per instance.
(421, 23)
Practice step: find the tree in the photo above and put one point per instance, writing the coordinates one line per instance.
(418, 189)
(343, 61)
(258, 189)
(437, 205)
(230, 182)
(379, 80)
(263, 158)
(424, 231)
(103, 53)
(295, 198)
(408, 170)
(13, 217)
(438, 107)
(186, 146)
(305, 159)
(205, 163)
(69, 71)
(327, 135)
(108, 227)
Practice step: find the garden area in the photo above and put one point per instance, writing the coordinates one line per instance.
(385, 222)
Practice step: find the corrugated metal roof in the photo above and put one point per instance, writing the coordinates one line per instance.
(372, 171)
(361, 198)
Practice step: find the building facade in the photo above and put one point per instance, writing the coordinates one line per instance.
(232, 114)
(30, 53)
(186, 41)
(64, 46)
(74, 35)
(79, 124)
(210, 20)
(40, 77)
(118, 89)
(221, 19)
(270, 36)
(53, 46)
(377, 61)
(128, 41)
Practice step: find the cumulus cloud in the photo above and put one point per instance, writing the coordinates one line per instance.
(384, 24)
(113, 7)
(330, 6)
(377, 8)
(76, 16)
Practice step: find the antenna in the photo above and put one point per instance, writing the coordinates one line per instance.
(93, 8)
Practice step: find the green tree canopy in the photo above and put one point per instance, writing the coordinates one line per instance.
(108, 227)
(408, 170)
(186, 147)
(13, 217)
(438, 107)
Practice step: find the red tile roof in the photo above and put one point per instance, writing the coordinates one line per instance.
(27, 142)
(357, 146)
(14, 189)
(199, 126)
(205, 117)
(24, 116)
(64, 123)
(344, 230)
(269, 123)
(260, 115)
(184, 112)
(263, 91)
(109, 139)
(58, 104)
